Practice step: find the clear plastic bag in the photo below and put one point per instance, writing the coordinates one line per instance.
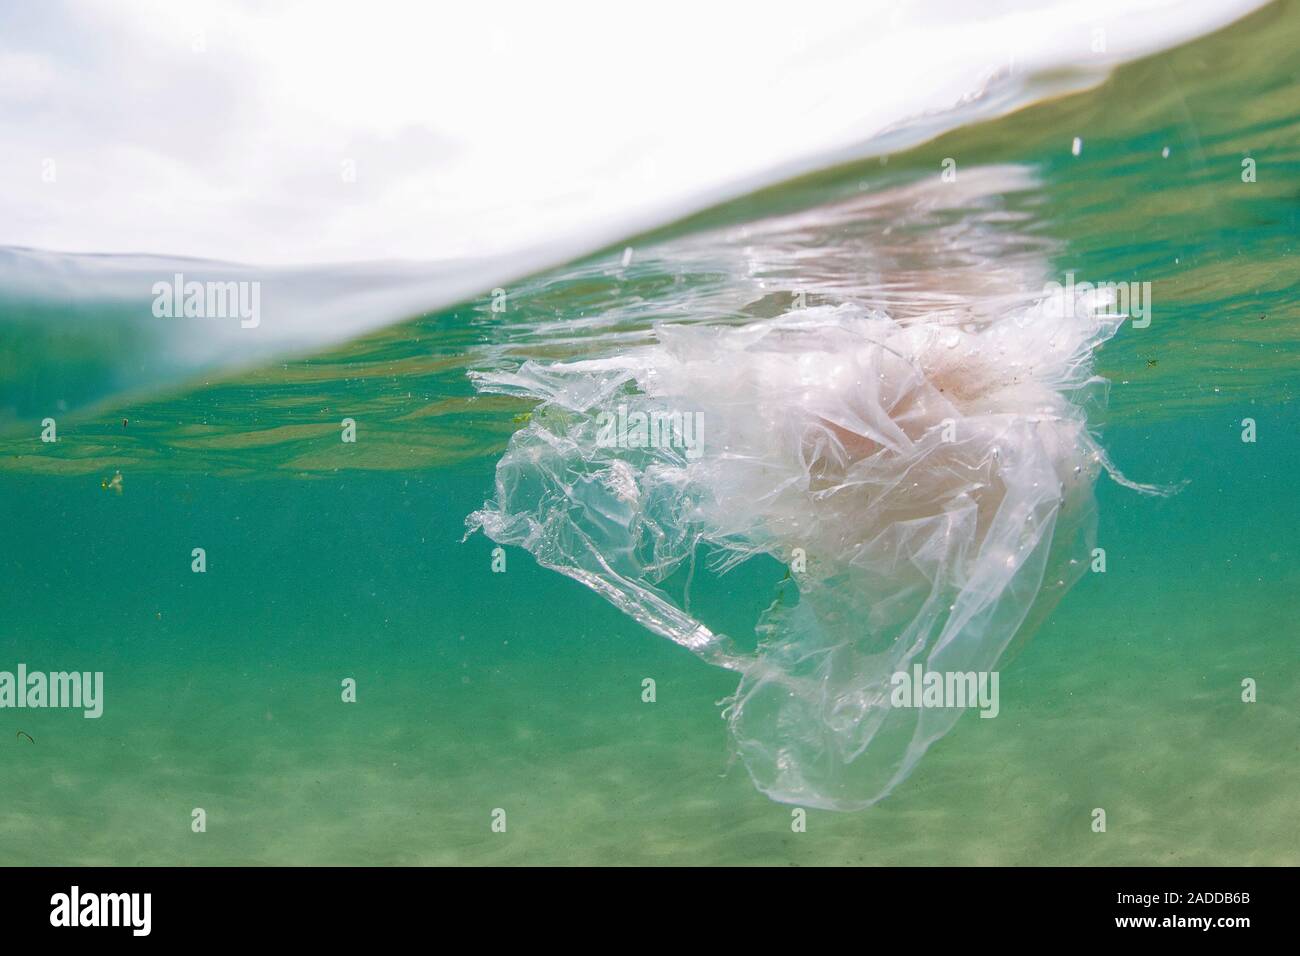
(937, 482)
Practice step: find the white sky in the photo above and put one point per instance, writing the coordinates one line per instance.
(485, 128)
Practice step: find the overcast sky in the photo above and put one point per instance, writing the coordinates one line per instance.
(319, 132)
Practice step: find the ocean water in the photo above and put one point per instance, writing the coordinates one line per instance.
(522, 691)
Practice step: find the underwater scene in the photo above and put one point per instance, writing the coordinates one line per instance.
(934, 505)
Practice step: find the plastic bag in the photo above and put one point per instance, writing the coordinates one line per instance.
(930, 484)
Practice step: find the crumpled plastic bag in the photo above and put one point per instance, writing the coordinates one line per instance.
(935, 480)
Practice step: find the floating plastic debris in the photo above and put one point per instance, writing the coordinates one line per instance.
(934, 477)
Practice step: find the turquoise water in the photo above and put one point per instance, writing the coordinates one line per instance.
(522, 690)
